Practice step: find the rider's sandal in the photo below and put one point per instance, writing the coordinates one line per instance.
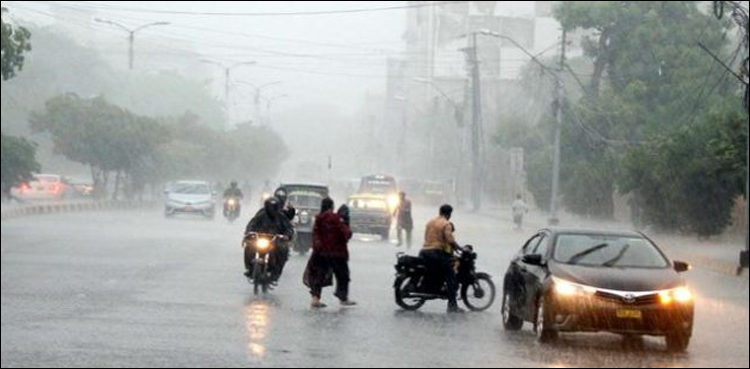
(317, 305)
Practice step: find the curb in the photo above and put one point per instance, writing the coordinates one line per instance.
(72, 206)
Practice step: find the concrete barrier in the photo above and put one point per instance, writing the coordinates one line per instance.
(72, 206)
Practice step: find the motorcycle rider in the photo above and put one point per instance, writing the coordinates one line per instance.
(287, 209)
(270, 220)
(233, 192)
(439, 245)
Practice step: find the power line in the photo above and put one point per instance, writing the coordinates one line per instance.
(262, 14)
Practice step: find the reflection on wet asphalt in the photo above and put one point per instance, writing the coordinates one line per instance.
(128, 289)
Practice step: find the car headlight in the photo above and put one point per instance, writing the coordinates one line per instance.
(304, 217)
(567, 288)
(680, 294)
(393, 201)
(262, 243)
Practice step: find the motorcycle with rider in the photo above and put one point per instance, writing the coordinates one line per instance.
(265, 245)
(442, 268)
(232, 202)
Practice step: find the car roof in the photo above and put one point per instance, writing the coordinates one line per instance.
(597, 231)
(316, 185)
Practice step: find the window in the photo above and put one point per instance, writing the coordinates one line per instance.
(530, 245)
(542, 246)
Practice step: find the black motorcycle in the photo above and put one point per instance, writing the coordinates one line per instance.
(258, 248)
(231, 208)
(415, 283)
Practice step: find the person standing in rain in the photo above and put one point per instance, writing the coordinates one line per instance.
(404, 220)
(519, 208)
(330, 255)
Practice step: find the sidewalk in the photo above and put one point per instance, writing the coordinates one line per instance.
(718, 253)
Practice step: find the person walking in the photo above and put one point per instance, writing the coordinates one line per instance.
(330, 256)
(404, 221)
(519, 208)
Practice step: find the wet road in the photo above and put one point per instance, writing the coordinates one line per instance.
(134, 289)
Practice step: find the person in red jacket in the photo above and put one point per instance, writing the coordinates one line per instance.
(330, 255)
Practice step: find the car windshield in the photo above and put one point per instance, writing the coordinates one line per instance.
(305, 199)
(607, 251)
(190, 188)
(368, 204)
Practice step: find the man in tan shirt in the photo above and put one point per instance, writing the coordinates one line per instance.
(437, 252)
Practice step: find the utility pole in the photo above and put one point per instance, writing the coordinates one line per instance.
(476, 121)
(131, 34)
(558, 115)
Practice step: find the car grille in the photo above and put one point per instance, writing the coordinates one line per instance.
(627, 299)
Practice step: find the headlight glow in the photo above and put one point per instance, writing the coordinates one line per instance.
(231, 202)
(566, 288)
(680, 294)
(393, 201)
(262, 244)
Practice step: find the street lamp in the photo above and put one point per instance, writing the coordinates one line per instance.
(268, 104)
(257, 94)
(131, 33)
(227, 69)
(457, 110)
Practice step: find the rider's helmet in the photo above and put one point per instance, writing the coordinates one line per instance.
(280, 194)
(233, 184)
(271, 206)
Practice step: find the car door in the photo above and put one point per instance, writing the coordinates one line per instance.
(518, 276)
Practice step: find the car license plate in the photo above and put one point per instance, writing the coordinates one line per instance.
(188, 208)
(628, 314)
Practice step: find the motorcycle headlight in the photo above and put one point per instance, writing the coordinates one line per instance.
(262, 243)
(304, 217)
(231, 202)
(680, 294)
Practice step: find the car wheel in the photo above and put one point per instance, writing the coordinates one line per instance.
(510, 321)
(542, 328)
(677, 341)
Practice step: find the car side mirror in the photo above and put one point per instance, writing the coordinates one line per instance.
(533, 259)
(680, 266)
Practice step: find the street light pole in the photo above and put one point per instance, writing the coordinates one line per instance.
(256, 98)
(227, 69)
(268, 105)
(131, 34)
(558, 116)
(556, 161)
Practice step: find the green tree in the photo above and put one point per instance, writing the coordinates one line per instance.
(17, 156)
(15, 43)
(648, 81)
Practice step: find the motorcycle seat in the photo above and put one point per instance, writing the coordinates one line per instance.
(411, 261)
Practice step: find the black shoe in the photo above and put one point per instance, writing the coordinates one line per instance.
(248, 274)
(456, 309)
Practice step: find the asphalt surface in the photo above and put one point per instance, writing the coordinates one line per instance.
(134, 289)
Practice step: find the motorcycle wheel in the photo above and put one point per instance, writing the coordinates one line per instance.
(480, 295)
(407, 303)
